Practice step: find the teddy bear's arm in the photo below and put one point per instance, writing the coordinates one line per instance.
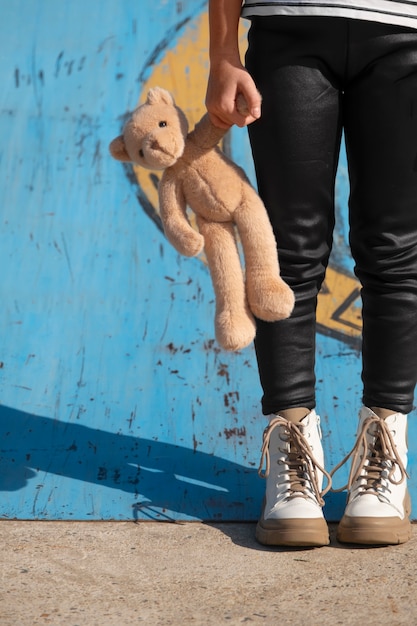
(173, 209)
(205, 135)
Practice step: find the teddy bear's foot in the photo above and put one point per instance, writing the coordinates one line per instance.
(270, 299)
(235, 331)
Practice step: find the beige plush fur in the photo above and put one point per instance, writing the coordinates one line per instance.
(197, 174)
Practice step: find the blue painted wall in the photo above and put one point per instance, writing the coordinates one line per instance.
(116, 402)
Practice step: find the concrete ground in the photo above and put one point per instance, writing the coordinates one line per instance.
(122, 573)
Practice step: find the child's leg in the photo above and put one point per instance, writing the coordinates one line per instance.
(295, 147)
(381, 131)
(381, 128)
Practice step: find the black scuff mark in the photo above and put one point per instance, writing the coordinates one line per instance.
(58, 63)
(161, 48)
(143, 199)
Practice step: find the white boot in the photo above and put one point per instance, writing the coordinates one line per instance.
(378, 506)
(292, 512)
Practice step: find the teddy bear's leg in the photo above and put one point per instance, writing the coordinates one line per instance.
(234, 324)
(269, 297)
(173, 209)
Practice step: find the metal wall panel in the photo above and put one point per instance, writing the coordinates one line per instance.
(116, 402)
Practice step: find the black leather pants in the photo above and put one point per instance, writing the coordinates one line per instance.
(319, 76)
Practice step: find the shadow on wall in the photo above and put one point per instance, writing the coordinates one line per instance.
(162, 478)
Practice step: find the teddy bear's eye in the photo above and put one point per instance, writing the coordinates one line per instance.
(162, 124)
(141, 153)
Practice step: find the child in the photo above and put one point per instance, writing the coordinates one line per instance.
(324, 68)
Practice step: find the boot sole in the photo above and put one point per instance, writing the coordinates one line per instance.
(308, 532)
(374, 531)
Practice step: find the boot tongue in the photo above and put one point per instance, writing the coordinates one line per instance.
(295, 416)
(382, 413)
(296, 460)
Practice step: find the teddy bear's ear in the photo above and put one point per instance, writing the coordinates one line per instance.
(118, 149)
(159, 95)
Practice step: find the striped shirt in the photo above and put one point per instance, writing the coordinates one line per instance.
(386, 11)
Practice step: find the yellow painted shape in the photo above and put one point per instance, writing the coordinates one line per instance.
(339, 304)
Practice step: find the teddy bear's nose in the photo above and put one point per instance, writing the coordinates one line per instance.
(155, 145)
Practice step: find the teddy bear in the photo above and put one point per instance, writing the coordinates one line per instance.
(199, 176)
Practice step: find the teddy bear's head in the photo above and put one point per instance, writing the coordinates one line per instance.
(154, 135)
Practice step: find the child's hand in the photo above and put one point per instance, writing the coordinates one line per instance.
(232, 97)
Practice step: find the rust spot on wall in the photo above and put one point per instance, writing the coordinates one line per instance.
(224, 371)
(173, 349)
(232, 396)
(102, 473)
(235, 432)
(210, 345)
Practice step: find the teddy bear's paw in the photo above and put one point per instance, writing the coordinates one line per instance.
(235, 330)
(271, 300)
(189, 243)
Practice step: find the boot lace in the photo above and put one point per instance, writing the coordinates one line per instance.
(375, 461)
(302, 466)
